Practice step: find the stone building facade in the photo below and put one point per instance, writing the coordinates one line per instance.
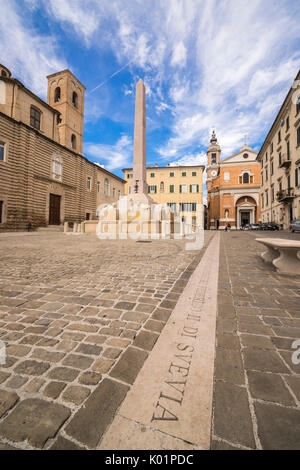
(44, 178)
(279, 158)
(180, 187)
(232, 187)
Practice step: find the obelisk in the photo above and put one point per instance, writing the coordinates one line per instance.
(139, 184)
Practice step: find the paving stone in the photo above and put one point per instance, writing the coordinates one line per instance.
(45, 355)
(145, 340)
(229, 366)
(73, 336)
(90, 378)
(269, 361)
(77, 361)
(232, 419)
(154, 325)
(89, 349)
(75, 394)
(272, 321)
(269, 387)
(256, 341)
(71, 309)
(16, 381)
(31, 367)
(287, 331)
(294, 383)
(118, 342)
(17, 350)
(34, 420)
(63, 373)
(161, 314)
(48, 342)
(79, 327)
(221, 445)
(129, 365)
(65, 444)
(135, 317)
(102, 365)
(130, 334)
(287, 356)
(283, 343)
(9, 362)
(278, 426)
(95, 339)
(3, 376)
(226, 325)
(66, 345)
(228, 341)
(34, 385)
(125, 305)
(110, 331)
(111, 353)
(7, 401)
(30, 339)
(54, 389)
(85, 426)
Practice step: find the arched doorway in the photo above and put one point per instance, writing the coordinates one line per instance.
(246, 211)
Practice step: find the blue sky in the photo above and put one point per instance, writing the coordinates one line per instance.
(226, 64)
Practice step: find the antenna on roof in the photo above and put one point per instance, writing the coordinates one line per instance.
(245, 139)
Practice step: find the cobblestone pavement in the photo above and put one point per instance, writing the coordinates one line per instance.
(257, 387)
(79, 317)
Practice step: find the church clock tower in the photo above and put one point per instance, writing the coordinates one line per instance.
(212, 171)
(213, 158)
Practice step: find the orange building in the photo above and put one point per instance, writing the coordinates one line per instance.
(232, 187)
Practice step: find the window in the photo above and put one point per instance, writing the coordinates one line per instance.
(271, 147)
(152, 175)
(106, 187)
(194, 220)
(279, 158)
(188, 206)
(75, 99)
(272, 193)
(245, 155)
(262, 201)
(2, 151)
(251, 179)
(183, 188)
(262, 178)
(288, 150)
(152, 189)
(171, 174)
(226, 175)
(296, 176)
(162, 187)
(194, 173)
(3, 73)
(98, 186)
(280, 185)
(298, 136)
(240, 179)
(73, 142)
(57, 95)
(298, 106)
(56, 167)
(183, 173)
(266, 156)
(266, 174)
(267, 198)
(287, 123)
(171, 188)
(245, 178)
(35, 118)
(114, 192)
(89, 183)
(272, 168)
(194, 188)
(289, 182)
(119, 194)
(279, 136)
(213, 157)
(172, 206)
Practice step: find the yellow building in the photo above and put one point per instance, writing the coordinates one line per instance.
(180, 187)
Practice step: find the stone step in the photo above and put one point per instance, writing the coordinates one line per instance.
(51, 228)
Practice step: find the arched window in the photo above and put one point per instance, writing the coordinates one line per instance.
(106, 187)
(73, 142)
(75, 99)
(162, 187)
(245, 178)
(35, 118)
(57, 95)
(56, 167)
(3, 73)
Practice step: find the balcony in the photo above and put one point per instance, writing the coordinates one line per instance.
(286, 195)
(285, 162)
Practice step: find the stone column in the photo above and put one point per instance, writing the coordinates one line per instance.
(139, 149)
(66, 227)
(75, 227)
(82, 227)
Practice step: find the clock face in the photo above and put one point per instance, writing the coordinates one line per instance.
(214, 173)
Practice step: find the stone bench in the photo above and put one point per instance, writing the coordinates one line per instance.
(282, 253)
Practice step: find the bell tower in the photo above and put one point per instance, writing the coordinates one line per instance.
(66, 94)
(213, 158)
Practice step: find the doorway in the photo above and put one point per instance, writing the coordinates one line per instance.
(245, 218)
(54, 209)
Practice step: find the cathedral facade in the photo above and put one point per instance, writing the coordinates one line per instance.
(233, 186)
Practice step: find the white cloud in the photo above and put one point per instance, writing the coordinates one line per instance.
(112, 156)
(179, 55)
